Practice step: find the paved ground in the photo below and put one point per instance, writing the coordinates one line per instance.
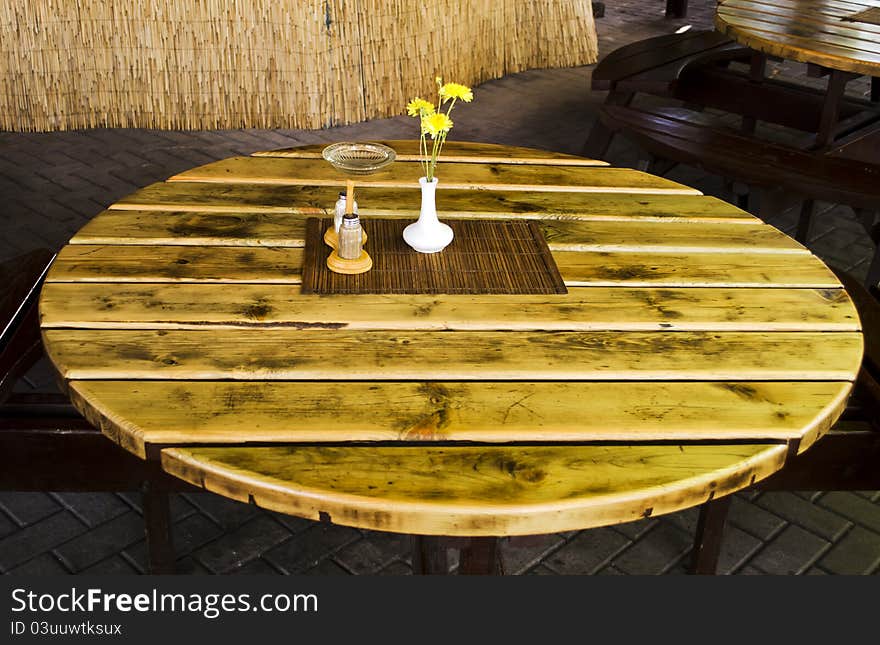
(51, 184)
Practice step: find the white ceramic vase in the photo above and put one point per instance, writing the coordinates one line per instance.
(428, 234)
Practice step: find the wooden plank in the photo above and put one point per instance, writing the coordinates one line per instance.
(310, 172)
(190, 228)
(693, 270)
(801, 35)
(664, 59)
(653, 48)
(277, 230)
(404, 202)
(283, 265)
(798, 44)
(646, 237)
(861, 145)
(142, 414)
(822, 24)
(81, 262)
(457, 151)
(475, 490)
(285, 354)
(200, 306)
(293, 153)
(829, 10)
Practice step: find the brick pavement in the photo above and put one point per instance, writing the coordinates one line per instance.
(51, 184)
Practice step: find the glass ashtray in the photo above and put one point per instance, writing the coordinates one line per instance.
(358, 158)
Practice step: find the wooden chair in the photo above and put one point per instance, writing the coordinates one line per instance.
(45, 443)
(847, 457)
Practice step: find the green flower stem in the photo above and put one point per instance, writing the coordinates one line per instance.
(423, 151)
(435, 153)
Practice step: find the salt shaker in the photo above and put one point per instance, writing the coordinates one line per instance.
(350, 238)
(340, 210)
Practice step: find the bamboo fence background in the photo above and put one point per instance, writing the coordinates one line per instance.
(208, 64)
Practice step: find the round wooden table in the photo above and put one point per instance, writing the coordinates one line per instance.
(837, 39)
(695, 348)
(839, 35)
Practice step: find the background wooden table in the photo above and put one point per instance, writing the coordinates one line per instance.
(696, 348)
(823, 32)
(840, 39)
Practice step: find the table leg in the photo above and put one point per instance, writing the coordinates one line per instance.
(710, 531)
(739, 194)
(157, 521)
(837, 81)
(676, 8)
(429, 555)
(804, 221)
(479, 557)
(757, 70)
(873, 276)
(600, 136)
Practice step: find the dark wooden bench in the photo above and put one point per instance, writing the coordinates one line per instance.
(691, 138)
(695, 68)
(847, 457)
(691, 72)
(776, 101)
(654, 66)
(46, 445)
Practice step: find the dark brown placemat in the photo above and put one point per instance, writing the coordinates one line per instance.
(485, 256)
(871, 16)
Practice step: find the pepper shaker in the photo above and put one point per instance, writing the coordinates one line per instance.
(340, 210)
(350, 237)
(331, 235)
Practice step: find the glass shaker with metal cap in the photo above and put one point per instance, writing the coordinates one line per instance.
(350, 238)
(340, 210)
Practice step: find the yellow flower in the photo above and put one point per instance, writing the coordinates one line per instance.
(419, 107)
(456, 91)
(435, 124)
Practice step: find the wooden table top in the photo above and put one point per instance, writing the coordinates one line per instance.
(696, 347)
(830, 33)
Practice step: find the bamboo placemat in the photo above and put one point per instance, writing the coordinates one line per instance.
(871, 16)
(485, 256)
